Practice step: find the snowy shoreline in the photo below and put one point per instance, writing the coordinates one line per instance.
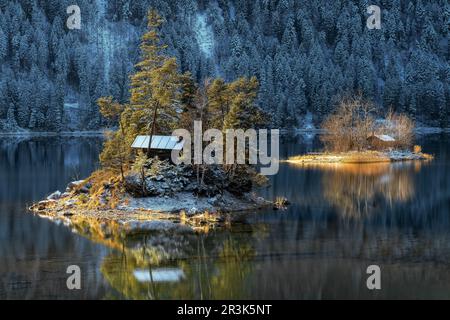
(98, 133)
(359, 157)
(182, 211)
(30, 134)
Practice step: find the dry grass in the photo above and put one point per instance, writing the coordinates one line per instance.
(280, 203)
(365, 157)
(347, 157)
(354, 157)
(105, 182)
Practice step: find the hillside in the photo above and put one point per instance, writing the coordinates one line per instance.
(304, 53)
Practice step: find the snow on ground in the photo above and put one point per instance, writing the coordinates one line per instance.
(190, 204)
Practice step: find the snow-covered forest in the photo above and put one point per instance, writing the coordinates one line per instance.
(305, 54)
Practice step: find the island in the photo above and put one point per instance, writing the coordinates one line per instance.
(138, 185)
(357, 133)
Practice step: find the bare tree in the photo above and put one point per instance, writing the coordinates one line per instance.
(350, 125)
(400, 127)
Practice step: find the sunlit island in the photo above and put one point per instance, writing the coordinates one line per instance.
(368, 156)
(138, 187)
(357, 133)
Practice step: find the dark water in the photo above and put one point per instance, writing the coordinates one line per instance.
(342, 219)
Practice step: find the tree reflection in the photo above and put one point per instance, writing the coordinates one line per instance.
(358, 190)
(35, 253)
(202, 267)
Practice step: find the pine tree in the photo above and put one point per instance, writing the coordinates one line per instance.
(10, 117)
(218, 102)
(116, 153)
(188, 101)
(392, 87)
(3, 45)
(155, 86)
(243, 114)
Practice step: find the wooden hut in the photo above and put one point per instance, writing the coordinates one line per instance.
(161, 146)
(381, 141)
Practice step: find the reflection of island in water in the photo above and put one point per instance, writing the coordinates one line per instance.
(310, 251)
(262, 260)
(360, 190)
(176, 263)
(246, 261)
(181, 267)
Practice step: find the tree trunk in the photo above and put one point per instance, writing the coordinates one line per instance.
(152, 132)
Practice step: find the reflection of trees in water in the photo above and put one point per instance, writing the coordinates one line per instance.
(326, 278)
(213, 266)
(358, 190)
(34, 253)
(32, 168)
(383, 212)
(242, 265)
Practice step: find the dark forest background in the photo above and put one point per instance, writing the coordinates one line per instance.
(305, 54)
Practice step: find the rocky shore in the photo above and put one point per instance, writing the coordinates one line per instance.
(169, 197)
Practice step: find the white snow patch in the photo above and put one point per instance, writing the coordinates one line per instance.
(232, 12)
(204, 35)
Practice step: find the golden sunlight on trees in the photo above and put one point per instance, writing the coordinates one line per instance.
(163, 99)
(356, 120)
(116, 153)
(156, 86)
(109, 109)
(348, 127)
(401, 127)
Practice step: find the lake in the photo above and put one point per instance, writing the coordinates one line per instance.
(342, 219)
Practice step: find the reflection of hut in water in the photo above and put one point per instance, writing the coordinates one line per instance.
(358, 190)
(182, 266)
(159, 275)
(381, 141)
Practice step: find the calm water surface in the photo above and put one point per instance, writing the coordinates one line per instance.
(342, 219)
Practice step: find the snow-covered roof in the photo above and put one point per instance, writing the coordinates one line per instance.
(158, 142)
(384, 137)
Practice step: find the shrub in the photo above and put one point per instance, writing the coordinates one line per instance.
(349, 126)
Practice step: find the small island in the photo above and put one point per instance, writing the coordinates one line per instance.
(357, 133)
(138, 186)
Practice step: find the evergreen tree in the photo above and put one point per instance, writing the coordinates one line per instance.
(243, 114)
(392, 87)
(155, 86)
(3, 45)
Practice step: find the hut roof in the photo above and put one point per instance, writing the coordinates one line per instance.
(158, 143)
(384, 137)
